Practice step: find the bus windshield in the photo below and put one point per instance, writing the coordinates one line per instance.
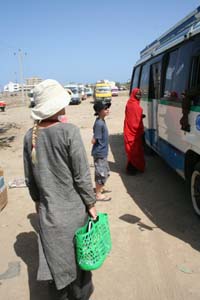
(103, 89)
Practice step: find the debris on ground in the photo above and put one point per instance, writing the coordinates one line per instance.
(185, 269)
(4, 127)
(17, 183)
(5, 140)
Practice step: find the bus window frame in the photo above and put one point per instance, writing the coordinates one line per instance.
(148, 64)
(166, 59)
(179, 48)
(151, 62)
(132, 78)
(152, 94)
(194, 91)
(196, 55)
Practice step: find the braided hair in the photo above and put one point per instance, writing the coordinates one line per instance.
(34, 138)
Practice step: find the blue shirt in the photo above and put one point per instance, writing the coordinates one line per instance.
(100, 133)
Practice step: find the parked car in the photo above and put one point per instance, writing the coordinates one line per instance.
(122, 88)
(115, 91)
(89, 91)
(2, 105)
(75, 98)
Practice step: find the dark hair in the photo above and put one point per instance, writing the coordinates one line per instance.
(100, 105)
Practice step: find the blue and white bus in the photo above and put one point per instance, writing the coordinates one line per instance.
(168, 73)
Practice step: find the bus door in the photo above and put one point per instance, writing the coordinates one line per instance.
(155, 76)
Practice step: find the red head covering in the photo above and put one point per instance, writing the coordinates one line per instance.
(133, 94)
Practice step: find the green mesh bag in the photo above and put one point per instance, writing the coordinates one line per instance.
(93, 243)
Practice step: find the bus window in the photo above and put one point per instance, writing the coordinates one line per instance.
(177, 72)
(182, 69)
(194, 87)
(155, 81)
(169, 91)
(195, 73)
(144, 80)
(135, 79)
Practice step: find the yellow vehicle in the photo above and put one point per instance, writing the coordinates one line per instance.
(102, 91)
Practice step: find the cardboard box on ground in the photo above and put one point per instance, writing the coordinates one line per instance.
(3, 191)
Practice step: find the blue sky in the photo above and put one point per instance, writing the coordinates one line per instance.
(81, 40)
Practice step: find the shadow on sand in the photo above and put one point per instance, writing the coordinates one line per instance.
(26, 247)
(161, 195)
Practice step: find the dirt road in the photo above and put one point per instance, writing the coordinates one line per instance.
(155, 233)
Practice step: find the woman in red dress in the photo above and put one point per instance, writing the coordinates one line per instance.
(133, 133)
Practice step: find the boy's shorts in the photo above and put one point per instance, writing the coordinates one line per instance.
(101, 170)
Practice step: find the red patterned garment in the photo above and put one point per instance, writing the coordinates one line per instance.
(133, 132)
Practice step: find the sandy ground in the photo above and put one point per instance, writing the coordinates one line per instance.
(155, 233)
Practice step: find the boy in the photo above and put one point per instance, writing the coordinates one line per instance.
(100, 148)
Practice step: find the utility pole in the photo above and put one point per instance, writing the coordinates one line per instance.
(21, 73)
(15, 77)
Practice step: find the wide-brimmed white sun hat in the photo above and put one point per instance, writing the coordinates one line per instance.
(50, 97)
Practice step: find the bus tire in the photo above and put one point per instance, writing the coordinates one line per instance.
(195, 188)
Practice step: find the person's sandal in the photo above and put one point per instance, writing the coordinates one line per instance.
(106, 191)
(103, 199)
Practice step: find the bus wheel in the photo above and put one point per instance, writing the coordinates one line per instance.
(195, 188)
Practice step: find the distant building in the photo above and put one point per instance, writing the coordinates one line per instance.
(33, 81)
(12, 87)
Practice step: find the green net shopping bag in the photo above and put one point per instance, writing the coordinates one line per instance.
(93, 243)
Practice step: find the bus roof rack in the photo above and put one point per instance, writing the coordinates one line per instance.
(182, 28)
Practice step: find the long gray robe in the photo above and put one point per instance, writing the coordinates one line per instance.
(61, 182)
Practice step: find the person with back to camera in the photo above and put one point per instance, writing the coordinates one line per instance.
(100, 148)
(133, 133)
(58, 177)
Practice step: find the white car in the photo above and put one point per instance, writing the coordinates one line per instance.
(89, 91)
(75, 98)
(115, 91)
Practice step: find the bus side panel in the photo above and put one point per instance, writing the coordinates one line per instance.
(192, 138)
(150, 133)
(147, 111)
(174, 157)
(169, 127)
(170, 133)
